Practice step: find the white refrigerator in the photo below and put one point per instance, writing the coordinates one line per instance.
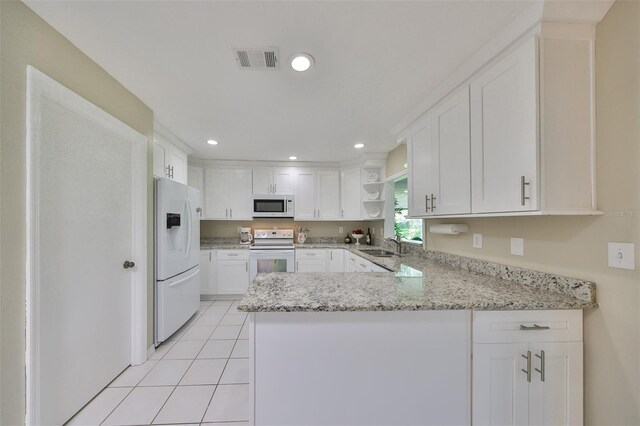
(177, 256)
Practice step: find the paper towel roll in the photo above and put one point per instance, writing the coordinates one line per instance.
(449, 229)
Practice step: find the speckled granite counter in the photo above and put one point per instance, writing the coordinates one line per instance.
(448, 282)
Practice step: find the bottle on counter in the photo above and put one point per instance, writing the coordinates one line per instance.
(368, 236)
(347, 239)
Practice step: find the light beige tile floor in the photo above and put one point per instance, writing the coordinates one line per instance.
(199, 376)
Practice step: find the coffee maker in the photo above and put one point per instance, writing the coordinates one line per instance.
(245, 236)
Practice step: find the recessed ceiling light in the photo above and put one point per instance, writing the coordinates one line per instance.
(301, 61)
(358, 146)
(212, 142)
(293, 157)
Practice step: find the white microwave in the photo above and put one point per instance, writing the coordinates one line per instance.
(273, 205)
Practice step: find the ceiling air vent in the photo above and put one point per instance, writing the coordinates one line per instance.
(266, 58)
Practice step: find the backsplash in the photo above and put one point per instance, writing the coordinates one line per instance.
(317, 229)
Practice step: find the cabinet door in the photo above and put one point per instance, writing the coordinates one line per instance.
(177, 160)
(500, 387)
(262, 181)
(232, 276)
(159, 166)
(558, 399)
(283, 181)
(240, 201)
(350, 260)
(451, 177)
(351, 194)
(309, 265)
(335, 262)
(421, 163)
(215, 200)
(305, 190)
(206, 259)
(328, 194)
(504, 134)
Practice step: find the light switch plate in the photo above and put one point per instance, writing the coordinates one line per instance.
(340, 229)
(517, 246)
(622, 255)
(477, 241)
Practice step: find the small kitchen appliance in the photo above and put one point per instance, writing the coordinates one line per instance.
(245, 236)
(270, 205)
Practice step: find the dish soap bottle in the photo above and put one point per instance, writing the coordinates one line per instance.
(347, 239)
(368, 236)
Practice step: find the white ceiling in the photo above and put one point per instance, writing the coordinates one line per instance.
(375, 61)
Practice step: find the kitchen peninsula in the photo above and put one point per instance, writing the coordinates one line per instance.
(396, 347)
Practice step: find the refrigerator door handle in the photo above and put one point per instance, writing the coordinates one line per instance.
(187, 250)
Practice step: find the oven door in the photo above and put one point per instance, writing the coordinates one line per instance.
(264, 261)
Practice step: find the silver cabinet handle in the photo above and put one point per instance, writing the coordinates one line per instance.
(209, 256)
(246, 266)
(232, 254)
(528, 370)
(318, 213)
(542, 363)
(523, 183)
(534, 327)
(433, 204)
(342, 213)
(275, 188)
(297, 266)
(230, 212)
(331, 255)
(364, 265)
(311, 254)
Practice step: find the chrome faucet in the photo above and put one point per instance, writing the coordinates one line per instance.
(398, 241)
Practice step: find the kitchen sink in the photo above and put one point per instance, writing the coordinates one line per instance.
(378, 252)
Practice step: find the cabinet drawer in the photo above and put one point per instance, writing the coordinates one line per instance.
(318, 254)
(527, 326)
(233, 254)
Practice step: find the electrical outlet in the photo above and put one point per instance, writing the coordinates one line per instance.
(340, 229)
(622, 255)
(477, 241)
(517, 246)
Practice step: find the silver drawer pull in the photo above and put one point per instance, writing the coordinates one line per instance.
(235, 254)
(534, 327)
(528, 370)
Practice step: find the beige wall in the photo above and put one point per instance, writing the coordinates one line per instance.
(28, 40)
(396, 160)
(577, 246)
(228, 229)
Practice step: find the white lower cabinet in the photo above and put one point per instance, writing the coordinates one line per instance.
(207, 272)
(528, 368)
(308, 265)
(232, 271)
(335, 260)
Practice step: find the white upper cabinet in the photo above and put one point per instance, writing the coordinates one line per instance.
(169, 155)
(504, 142)
(450, 154)
(159, 163)
(268, 180)
(228, 194)
(420, 163)
(305, 195)
(517, 138)
(328, 195)
(351, 194)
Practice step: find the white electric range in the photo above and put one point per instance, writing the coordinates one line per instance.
(272, 251)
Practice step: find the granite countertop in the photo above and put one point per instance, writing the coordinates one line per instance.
(448, 282)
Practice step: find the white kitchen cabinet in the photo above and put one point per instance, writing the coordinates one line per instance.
(207, 272)
(309, 265)
(527, 368)
(159, 163)
(228, 194)
(328, 194)
(269, 180)
(421, 166)
(335, 260)
(169, 161)
(232, 271)
(504, 135)
(305, 195)
(350, 261)
(351, 194)
(450, 185)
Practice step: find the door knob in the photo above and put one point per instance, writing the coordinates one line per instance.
(128, 264)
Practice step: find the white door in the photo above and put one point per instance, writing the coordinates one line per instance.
(500, 387)
(283, 181)
(504, 134)
(556, 397)
(240, 202)
(420, 163)
(350, 191)
(262, 181)
(305, 192)
(86, 199)
(328, 194)
(216, 194)
(232, 276)
(452, 169)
